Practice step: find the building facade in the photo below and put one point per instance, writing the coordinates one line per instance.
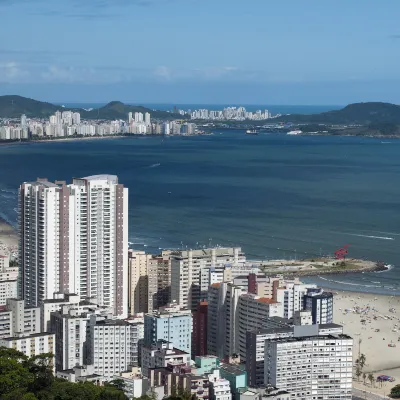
(111, 345)
(171, 324)
(74, 239)
(190, 272)
(311, 367)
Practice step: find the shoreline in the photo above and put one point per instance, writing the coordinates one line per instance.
(72, 139)
(8, 238)
(372, 321)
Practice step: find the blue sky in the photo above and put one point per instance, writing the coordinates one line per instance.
(201, 51)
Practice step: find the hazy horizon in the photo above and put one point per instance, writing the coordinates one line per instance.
(176, 51)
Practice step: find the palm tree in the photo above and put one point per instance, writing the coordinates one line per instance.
(371, 378)
(358, 373)
(364, 377)
(362, 360)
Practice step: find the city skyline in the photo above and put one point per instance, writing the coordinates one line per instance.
(268, 53)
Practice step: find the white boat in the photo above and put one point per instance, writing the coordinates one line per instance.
(295, 132)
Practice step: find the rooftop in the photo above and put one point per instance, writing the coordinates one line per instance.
(102, 177)
(266, 300)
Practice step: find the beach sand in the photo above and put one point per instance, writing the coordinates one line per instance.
(8, 238)
(374, 310)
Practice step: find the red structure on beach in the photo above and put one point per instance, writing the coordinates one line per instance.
(340, 254)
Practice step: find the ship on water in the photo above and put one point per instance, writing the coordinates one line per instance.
(252, 132)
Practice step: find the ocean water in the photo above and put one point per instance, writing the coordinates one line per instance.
(272, 194)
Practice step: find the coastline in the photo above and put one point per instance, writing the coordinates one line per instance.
(373, 322)
(8, 238)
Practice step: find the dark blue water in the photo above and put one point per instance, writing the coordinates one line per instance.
(274, 195)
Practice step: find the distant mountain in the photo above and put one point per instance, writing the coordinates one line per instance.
(357, 113)
(15, 106)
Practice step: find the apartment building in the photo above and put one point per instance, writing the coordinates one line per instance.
(30, 345)
(138, 281)
(171, 324)
(111, 345)
(320, 303)
(255, 344)
(8, 280)
(219, 387)
(160, 355)
(199, 334)
(190, 272)
(74, 239)
(311, 367)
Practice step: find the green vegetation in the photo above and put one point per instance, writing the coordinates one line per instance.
(14, 106)
(357, 113)
(23, 378)
(395, 392)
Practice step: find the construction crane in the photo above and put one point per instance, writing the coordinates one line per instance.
(340, 254)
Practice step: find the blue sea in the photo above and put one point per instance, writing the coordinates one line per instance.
(272, 194)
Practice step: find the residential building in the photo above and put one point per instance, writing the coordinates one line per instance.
(222, 319)
(255, 343)
(291, 295)
(311, 366)
(160, 355)
(15, 319)
(135, 384)
(138, 281)
(30, 345)
(205, 364)
(69, 325)
(253, 311)
(320, 303)
(8, 280)
(219, 387)
(199, 335)
(84, 373)
(189, 281)
(111, 345)
(172, 324)
(74, 239)
(159, 281)
(236, 375)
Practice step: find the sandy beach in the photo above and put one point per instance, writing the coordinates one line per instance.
(8, 238)
(374, 322)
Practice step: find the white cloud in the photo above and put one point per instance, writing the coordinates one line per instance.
(11, 72)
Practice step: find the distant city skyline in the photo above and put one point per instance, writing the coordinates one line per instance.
(175, 51)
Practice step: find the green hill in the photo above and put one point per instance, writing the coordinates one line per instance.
(14, 106)
(357, 113)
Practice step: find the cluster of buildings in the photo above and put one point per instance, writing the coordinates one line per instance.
(231, 113)
(203, 321)
(69, 124)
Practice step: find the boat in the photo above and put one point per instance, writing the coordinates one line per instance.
(252, 132)
(295, 132)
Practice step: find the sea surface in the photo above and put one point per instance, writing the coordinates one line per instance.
(272, 194)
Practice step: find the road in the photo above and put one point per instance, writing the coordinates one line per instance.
(365, 395)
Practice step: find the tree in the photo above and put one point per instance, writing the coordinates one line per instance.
(362, 360)
(395, 392)
(371, 378)
(358, 372)
(116, 383)
(364, 377)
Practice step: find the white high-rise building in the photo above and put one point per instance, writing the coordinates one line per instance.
(23, 120)
(111, 345)
(130, 117)
(310, 366)
(74, 239)
(147, 119)
(76, 118)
